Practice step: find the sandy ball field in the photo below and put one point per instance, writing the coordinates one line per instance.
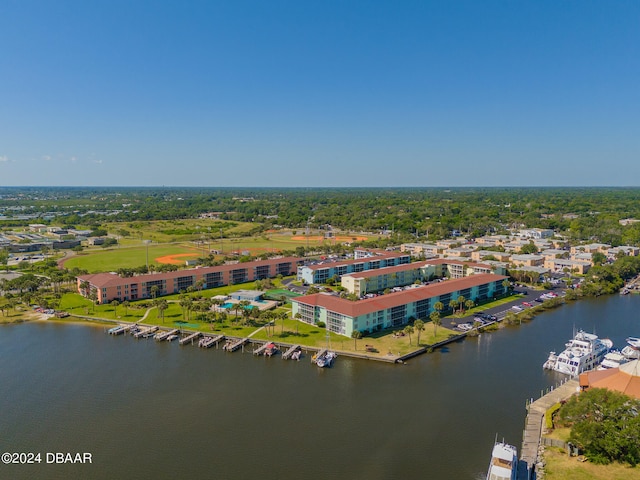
(177, 259)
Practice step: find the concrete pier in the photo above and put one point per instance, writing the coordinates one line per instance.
(535, 420)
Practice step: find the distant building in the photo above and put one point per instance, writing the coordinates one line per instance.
(322, 271)
(371, 281)
(536, 233)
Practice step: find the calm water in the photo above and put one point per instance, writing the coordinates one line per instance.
(150, 411)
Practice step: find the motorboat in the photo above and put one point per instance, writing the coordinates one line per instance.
(326, 360)
(504, 462)
(613, 359)
(585, 351)
(632, 350)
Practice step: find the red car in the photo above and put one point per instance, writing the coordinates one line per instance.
(526, 304)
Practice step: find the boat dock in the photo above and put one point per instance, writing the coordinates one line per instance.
(232, 346)
(286, 355)
(535, 419)
(120, 329)
(261, 349)
(318, 355)
(190, 338)
(145, 332)
(164, 335)
(208, 342)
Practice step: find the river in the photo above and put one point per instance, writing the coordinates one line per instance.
(148, 410)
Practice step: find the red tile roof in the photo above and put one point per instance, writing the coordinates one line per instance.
(383, 302)
(625, 379)
(413, 266)
(351, 262)
(102, 280)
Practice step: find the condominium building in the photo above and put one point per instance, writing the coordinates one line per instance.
(322, 271)
(393, 310)
(110, 286)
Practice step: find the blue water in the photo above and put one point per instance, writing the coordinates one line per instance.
(150, 410)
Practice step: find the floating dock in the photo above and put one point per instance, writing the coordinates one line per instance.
(190, 338)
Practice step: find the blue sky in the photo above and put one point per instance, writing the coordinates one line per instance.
(319, 93)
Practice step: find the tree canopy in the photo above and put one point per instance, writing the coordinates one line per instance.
(605, 424)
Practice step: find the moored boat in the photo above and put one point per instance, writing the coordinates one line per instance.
(504, 462)
(613, 359)
(326, 360)
(632, 350)
(585, 351)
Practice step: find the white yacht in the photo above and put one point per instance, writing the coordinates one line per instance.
(584, 352)
(504, 462)
(632, 350)
(613, 359)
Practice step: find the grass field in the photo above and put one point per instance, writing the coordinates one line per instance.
(133, 253)
(112, 259)
(561, 467)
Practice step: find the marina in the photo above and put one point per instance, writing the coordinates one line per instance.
(90, 398)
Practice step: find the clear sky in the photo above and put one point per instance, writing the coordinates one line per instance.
(319, 92)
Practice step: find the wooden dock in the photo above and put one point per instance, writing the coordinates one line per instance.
(535, 420)
(208, 342)
(190, 338)
(287, 355)
(261, 349)
(160, 336)
(233, 346)
(145, 332)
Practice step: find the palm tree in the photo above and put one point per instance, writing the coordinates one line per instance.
(435, 319)
(283, 316)
(84, 288)
(438, 306)
(356, 334)
(298, 317)
(154, 291)
(469, 304)
(93, 296)
(418, 325)
(114, 304)
(453, 304)
(461, 301)
(245, 311)
(125, 304)
(408, 330)
(162, 305)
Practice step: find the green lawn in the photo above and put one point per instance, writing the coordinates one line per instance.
(561, 467)
(112, 259)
